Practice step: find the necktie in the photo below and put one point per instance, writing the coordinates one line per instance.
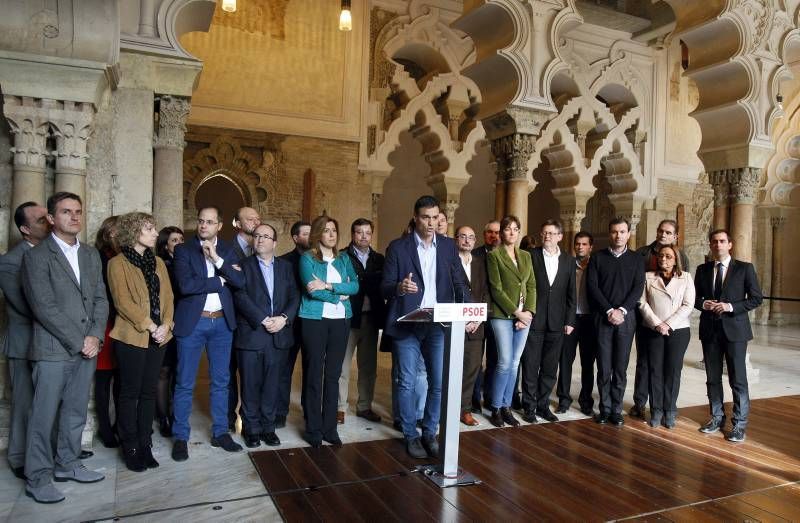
(718, 281)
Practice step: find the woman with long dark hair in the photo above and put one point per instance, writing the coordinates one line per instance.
(106, 376)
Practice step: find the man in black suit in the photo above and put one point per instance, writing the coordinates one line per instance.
(491, 239)
(554, 271)
(614, 281)
(299, 231)
(245, 223)
(369, 315)
(726, 290)
(266, 308)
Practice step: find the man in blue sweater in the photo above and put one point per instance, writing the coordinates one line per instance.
(614, 283)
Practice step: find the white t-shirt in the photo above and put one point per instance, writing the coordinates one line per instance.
(330, 310)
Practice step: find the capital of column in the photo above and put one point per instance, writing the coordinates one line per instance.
(571, 220)
(172, 114)
(743, 184)
(30, 126)
(72, 126)
(778, 222)
(512, 153)
(450, 208)
(719, 181)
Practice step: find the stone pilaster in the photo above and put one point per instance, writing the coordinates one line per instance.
(512, 153)
(776, 278)
(450, 208)
(743, 185)
(719, 181)
(168, 160)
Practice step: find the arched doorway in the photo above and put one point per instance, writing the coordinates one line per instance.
(221, 191)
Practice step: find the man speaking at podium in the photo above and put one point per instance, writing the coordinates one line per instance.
(421, 270)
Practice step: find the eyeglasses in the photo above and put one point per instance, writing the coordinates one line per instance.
(259, 237)
(466, 237)
(549, 233)
(206, 222)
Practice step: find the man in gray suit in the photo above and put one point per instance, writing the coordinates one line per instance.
(31, 220)
(64, 287)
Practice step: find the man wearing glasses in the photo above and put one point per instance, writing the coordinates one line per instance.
(554, 271)
(205, 271)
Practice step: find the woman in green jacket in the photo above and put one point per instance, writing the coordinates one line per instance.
(513, 289)
(329, 280)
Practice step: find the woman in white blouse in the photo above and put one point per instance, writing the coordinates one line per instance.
(666, 305)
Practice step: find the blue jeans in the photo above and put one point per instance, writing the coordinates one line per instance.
(420, 387)
(510, 344)
(214, 334)
(426, 340)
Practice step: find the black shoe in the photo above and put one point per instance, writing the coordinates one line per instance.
(252, 441)
(516, 402)
(133, 459)
(713, 425)
(85, 454)
(669, 421)
(508, 417)
(165, 426)
(333, 439)
(19, 472)
(108, 439)
(637, 411)
(616, 419)
(496, 419)
(587, 410)
(314, 442)
(736, 435)
(601, 418)
(280, 422)
(529, 416)
(225, 441)
(476, 407)
(415, 449)
(546, 414)
(655, 419)
(562, 408)
(397, 425)
(180, 450)
(147, 457)
(431, 446)
(270, 438)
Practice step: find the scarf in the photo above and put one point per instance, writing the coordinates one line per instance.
(147, 264)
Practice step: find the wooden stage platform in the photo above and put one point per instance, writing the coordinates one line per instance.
(565, 471)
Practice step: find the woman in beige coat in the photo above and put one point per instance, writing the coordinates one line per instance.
(666, 305)
(142, 294)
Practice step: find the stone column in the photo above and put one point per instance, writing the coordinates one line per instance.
(512, 153)
(776, 283)
(571, 221)
(719, 180)
(634, 221)
(743, 184)
(29, 124)
(500, 197)
(72, 126)
(376, 198)
(168, 161)
(450, 208)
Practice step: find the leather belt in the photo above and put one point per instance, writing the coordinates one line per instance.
(215, 314)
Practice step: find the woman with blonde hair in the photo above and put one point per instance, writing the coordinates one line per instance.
(329, 280)
(142, 294)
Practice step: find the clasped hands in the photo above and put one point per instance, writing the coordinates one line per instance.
(616, 317)
(524, 319)
(158, 333)
(717, 307)
(274, 323)
(91, 347)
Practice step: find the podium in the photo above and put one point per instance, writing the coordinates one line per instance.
(447, 473)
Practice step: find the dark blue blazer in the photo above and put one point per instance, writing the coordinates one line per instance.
(402, 259)
(194, 284)
(253, 304)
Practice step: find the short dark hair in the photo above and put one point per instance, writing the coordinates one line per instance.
(508, 220)
(59, 196)
(719, 231)
(19, 215)
(425, 202)
(619, 220)
(358, 223)
(274, 232)
(526, 243)
(584, 234)
(163, 238)
(213, 207)
(295, 230)
(669, 221)
(553, 223)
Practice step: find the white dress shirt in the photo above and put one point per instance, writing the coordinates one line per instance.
(213, 301)
(467, 265)
(71, 252)
(427, 261)
(725, 269)
(551, 264)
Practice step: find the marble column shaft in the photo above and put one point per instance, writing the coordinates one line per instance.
(743, 185)
(719, 180)
(168, 161)
(776, 283)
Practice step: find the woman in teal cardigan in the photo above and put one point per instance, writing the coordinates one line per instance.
(329, 280)
(513, 288)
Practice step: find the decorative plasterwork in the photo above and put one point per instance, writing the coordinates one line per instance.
(30, 126)
(172, 114)
(173, 19)
(782, 185)
(72, 127)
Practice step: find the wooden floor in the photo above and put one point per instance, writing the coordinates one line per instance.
(575, 470)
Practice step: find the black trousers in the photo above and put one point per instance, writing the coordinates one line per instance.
(641, 386)
(714, 350)
(582, 336)
(540, 368)
(106, 388)
(613, 353)
(139, 370)
(473, 358)
(665, 356)
(285, 375)
(259, 371)
(325, 341)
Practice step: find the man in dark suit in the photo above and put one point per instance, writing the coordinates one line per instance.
(666, 234)
(614, 281)
(554, 271)
(299, 231)
(421, 269)
(726, 290)
(474, 269)
(245, 222)
(205, 270)
(266, 307)
(369, 314)
(63, 282)
(483, 382)
(31, 220)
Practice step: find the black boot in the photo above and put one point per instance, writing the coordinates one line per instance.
(496, 419)
(133, 459)
(165, 426)
(147, 458)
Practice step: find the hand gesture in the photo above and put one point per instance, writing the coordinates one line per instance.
(91, 346)
(472, 326)
(663, 329)
(524, 317)
(407, 286)
(160, 334)
(210, 251)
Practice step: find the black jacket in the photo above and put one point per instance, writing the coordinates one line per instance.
(740, 289)
(478, 288)
(555, 305)
(369, 285)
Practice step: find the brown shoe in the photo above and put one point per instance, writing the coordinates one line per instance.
(340, 417)
(368, 415)
(467, 419)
